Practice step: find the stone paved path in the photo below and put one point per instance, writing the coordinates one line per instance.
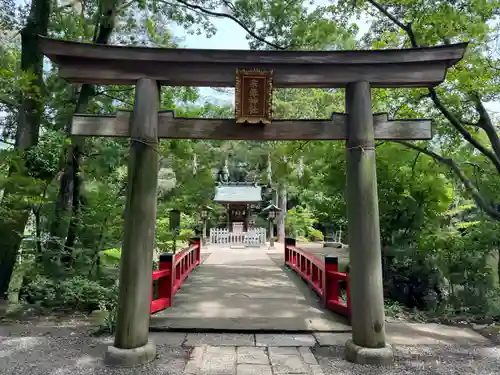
(246, 290)
(251, 360)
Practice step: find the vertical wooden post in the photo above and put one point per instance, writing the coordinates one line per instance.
(204, 234)
(289, 255)
(368, 344)
(330, 284)
(196, 241)
(131, 345)
(245, 219)
(271, 234)
(166, 284)
(282, 214)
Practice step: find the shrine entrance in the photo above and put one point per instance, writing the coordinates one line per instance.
(254, 74)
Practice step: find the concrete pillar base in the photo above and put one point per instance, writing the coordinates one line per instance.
(368, 356)
(117, 357)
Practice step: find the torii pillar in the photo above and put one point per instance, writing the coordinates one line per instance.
(368, 344)
(131, 346)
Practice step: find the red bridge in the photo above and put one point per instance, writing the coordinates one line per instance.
(220, 288)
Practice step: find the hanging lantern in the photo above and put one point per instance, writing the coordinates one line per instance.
(195, 164)
(300, 170)
(269, 170)
(225, 171)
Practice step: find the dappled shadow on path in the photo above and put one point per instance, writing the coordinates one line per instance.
(245, 292)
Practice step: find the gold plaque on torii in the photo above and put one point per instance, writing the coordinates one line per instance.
(254, 92)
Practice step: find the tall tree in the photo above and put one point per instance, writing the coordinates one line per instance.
(64, 225)
(29, 118)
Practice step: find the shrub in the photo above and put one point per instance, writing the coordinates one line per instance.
(110, 256)
(299, 222)
(413, 282)
(315, 235)
(76, 293)
(186, 234)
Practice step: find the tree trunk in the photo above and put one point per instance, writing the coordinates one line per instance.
(63, 231)
(282, 214)
(29, 118)
(498, 267)
(68, 199)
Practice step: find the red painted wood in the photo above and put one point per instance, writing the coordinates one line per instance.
(172, 273)
(322, 278)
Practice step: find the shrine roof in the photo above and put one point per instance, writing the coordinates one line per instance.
(108, 64)
(238, 192)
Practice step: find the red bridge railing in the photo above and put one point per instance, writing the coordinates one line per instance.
(322, 275)
(173, 270)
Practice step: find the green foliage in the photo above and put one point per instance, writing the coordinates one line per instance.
(110, 256)
(315, 235)
(468, 260)
(299, 222)
(76, 293)
(186, 234)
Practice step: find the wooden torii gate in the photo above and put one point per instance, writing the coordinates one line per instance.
(149, 68)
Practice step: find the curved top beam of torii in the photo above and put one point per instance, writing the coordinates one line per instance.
(105, 64)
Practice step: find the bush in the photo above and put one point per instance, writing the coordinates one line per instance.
(299, 222)
(413, 282)
(110, 256)
(315, 235)
(186, 234)
(77, 293)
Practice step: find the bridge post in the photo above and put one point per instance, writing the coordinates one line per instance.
(196, 241)
(368, 344)
(289, 242)
(166, 284)
(131, 346)
(330, 285)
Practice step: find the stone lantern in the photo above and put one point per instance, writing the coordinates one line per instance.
(272, 211)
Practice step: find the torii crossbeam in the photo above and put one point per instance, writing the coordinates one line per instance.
(170, 126)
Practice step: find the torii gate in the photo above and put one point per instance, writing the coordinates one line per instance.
(356, 71)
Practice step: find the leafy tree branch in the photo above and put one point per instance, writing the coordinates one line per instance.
(230, 6)
(468, 184)
(483, 123)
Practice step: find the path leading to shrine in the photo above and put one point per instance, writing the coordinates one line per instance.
(246, 290)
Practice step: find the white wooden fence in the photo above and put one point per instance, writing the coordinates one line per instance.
(334, 237)
(255, 237)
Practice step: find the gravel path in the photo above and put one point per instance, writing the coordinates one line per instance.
(79, 355)
(58, 352)
(429, 360)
